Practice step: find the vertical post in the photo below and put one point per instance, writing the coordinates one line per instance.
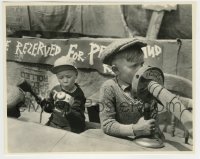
(29, 17)
(186, 135)
(154, 25)
(81, 8)
(172, 125)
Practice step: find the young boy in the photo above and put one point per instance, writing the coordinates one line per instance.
(66, 100)
(121, 113)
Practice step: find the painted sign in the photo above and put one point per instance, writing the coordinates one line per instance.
(86, 52)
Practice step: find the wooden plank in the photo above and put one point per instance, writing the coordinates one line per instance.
(154, 25)
(26, 137)
(171, 143)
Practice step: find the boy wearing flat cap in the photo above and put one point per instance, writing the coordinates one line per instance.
(121, 113)
(66, 101)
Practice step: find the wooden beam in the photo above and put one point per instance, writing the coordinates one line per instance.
(154, 25)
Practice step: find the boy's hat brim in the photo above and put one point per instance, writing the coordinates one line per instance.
(63, 63)
(60, 68)
(119, 45)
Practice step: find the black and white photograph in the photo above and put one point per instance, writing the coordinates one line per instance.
(99, 77)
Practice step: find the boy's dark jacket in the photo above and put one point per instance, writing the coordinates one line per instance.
(75, 118)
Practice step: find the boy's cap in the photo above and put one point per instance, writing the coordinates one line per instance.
(119, 45)
(63, 63)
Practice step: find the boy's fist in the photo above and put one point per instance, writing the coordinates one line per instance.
(144, 127)
(62, 107)
(44, 103)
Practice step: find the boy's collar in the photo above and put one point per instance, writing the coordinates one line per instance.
(123, 84)
(70, 91)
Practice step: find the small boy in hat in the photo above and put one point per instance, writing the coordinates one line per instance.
(66, 101)
(121, 113)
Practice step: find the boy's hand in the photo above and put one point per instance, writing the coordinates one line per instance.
(67, 109)
(144, 127)
(63, 108)
(44, 103)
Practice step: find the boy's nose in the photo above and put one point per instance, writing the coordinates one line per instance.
(65, 79)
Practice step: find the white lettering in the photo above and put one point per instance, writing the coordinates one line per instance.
(18, 48)
(144, 49)
(25, 48)
(29, 50)
(75, 54)
(34, 48)
(71, 51)
(101, 50)
(107, 69)
(158, 50)
(38, 48)
(151, 51)
(57, 50)
(7, 44)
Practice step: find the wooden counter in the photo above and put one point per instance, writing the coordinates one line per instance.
(29, 137)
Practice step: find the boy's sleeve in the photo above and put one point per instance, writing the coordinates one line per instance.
(49, 103)
(76, 117)
(107, 114)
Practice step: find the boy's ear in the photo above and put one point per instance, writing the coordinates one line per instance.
(115, 69)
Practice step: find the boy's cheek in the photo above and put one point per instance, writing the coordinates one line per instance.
(135, 70)
(126, 71)
(129, 72)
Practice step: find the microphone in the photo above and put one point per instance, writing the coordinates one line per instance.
(147, 85)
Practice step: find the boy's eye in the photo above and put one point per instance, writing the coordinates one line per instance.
(60, 77)
(137, 64)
